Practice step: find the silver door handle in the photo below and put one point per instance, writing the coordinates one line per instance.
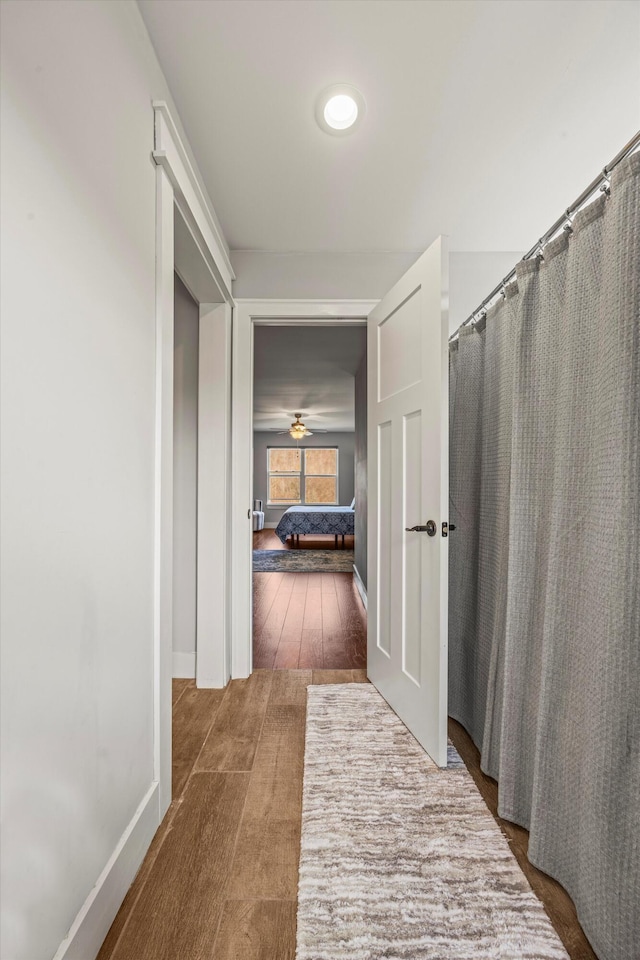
(430, 528)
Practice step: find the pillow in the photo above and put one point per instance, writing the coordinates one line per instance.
(353, 503)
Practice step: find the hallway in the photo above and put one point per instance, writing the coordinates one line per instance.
(221, 877)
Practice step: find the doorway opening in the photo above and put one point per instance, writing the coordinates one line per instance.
(309, 517)
(200, 433)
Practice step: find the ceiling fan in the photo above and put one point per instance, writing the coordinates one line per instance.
(298, 430)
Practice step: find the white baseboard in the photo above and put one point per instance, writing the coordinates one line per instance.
(96, 915)
(362, 590)
(271, 524)
(184, 666)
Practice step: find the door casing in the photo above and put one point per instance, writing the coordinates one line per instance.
(247, 315)
(183, 213)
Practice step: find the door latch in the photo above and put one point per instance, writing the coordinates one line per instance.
(446, 528)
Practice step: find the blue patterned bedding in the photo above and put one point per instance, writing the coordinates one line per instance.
(333, 520)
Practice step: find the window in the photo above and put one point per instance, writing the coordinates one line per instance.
(284, 468)
(302, 475)
(321, 475)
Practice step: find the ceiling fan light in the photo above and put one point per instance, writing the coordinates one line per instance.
(298, 430)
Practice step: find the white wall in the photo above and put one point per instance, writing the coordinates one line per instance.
(343, 440)
(337, 276)
(345, 276)
(472, 276)
(185, 478)
(78, 372)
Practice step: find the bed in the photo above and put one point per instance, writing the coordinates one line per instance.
(338, 521)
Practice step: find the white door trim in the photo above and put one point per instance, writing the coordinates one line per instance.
(213, 610)
(247, 314)
(163, 507)
(177, 184)
(170, 154)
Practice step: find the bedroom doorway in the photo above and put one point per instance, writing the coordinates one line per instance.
(309, 497)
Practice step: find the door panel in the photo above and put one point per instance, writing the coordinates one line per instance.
(399, 343)
(412, 547)
(408, 480)
(384, 536)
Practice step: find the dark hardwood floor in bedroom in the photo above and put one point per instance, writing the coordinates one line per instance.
(311, 621)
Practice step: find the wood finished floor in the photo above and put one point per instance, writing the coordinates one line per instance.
(307, 620)
(554, 897)
(219, 881)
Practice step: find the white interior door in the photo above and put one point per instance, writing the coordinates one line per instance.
(408, 487)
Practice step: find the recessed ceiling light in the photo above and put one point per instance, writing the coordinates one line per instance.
(339, 109)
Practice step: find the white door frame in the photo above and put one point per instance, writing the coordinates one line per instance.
(177, 185)
(247, 315)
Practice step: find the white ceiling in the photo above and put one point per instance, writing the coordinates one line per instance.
(308, 370)
(485, 118)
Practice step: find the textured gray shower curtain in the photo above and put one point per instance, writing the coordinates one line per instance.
(544, 623)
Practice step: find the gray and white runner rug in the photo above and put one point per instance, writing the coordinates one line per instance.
(400, 860)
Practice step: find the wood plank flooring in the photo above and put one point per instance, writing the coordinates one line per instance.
(554, 897)
(306, 620)
(220, 879)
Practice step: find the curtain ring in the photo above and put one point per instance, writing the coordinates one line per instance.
(568, 227)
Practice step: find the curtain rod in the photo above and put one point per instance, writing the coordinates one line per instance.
(599, 183)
